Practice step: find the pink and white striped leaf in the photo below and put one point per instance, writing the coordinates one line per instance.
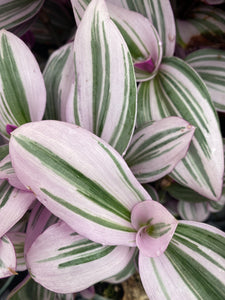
(216, 206)
(210, 65)
(40, 219)
(22, 89)
(105, 91)
(160, 13)
(18, 240)
(16, 12)
(79, 178)
(7, 172)
(28, 287)
(66, 262)
(7, 257)
(128, 270)
(13, 205)
(59, 77)
(177, 90)
(157, 147)
(140, 35)
(191, 268)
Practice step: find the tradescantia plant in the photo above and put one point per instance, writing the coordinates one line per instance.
(95, 148)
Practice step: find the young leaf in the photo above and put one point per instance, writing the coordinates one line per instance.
(79, 178)
(7, 257)
(22, 88)
(66, 262)
(16, 12)
(105, 90)
(13, 205)
(177, 90)
(193, 263)
(157, 147)
(59, 77)
(210, 65)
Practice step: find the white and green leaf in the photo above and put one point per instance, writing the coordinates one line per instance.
(177, 90)
(7, 257)
(16, 12)
(22, 89)
(79, 178)
(13, 205)
(63, 261)
(157, 147)
(59, 77)
(193, 211)
(206, 23)
(40, 219)
(210, 65)
(18, 240)
(191, 268)
(160, 13)
(28, 287)
(105, 90)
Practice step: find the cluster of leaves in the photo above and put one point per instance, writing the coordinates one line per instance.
(113, 155)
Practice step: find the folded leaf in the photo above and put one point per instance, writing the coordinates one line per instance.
(105, 91)
(177, 90)
(7, 257)
(191, 268)
(13, 205)
(160, 13)
(210, 65)
(66, 262)
(22, 88)
(79, 178)
(59, 77)
(18, 239)
(16, 12)
(157, 147)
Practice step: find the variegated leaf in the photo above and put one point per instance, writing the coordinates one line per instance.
(128, 271)
(13, 205)
(7, 257)
(105, 90)
(79, 178)
(191, 268)
(16, 12)
(29, 288)
(177, 90)
(157, 147)
(207, 24)
(216, 206)
(7, 172)
(4, 151)
(64, 261)
(210, 65)
(18, 240)
(22, 88)
(59, 77)
(140, 35)
(152, 192)
(193, 211)
(39, 220)
(160, 13)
